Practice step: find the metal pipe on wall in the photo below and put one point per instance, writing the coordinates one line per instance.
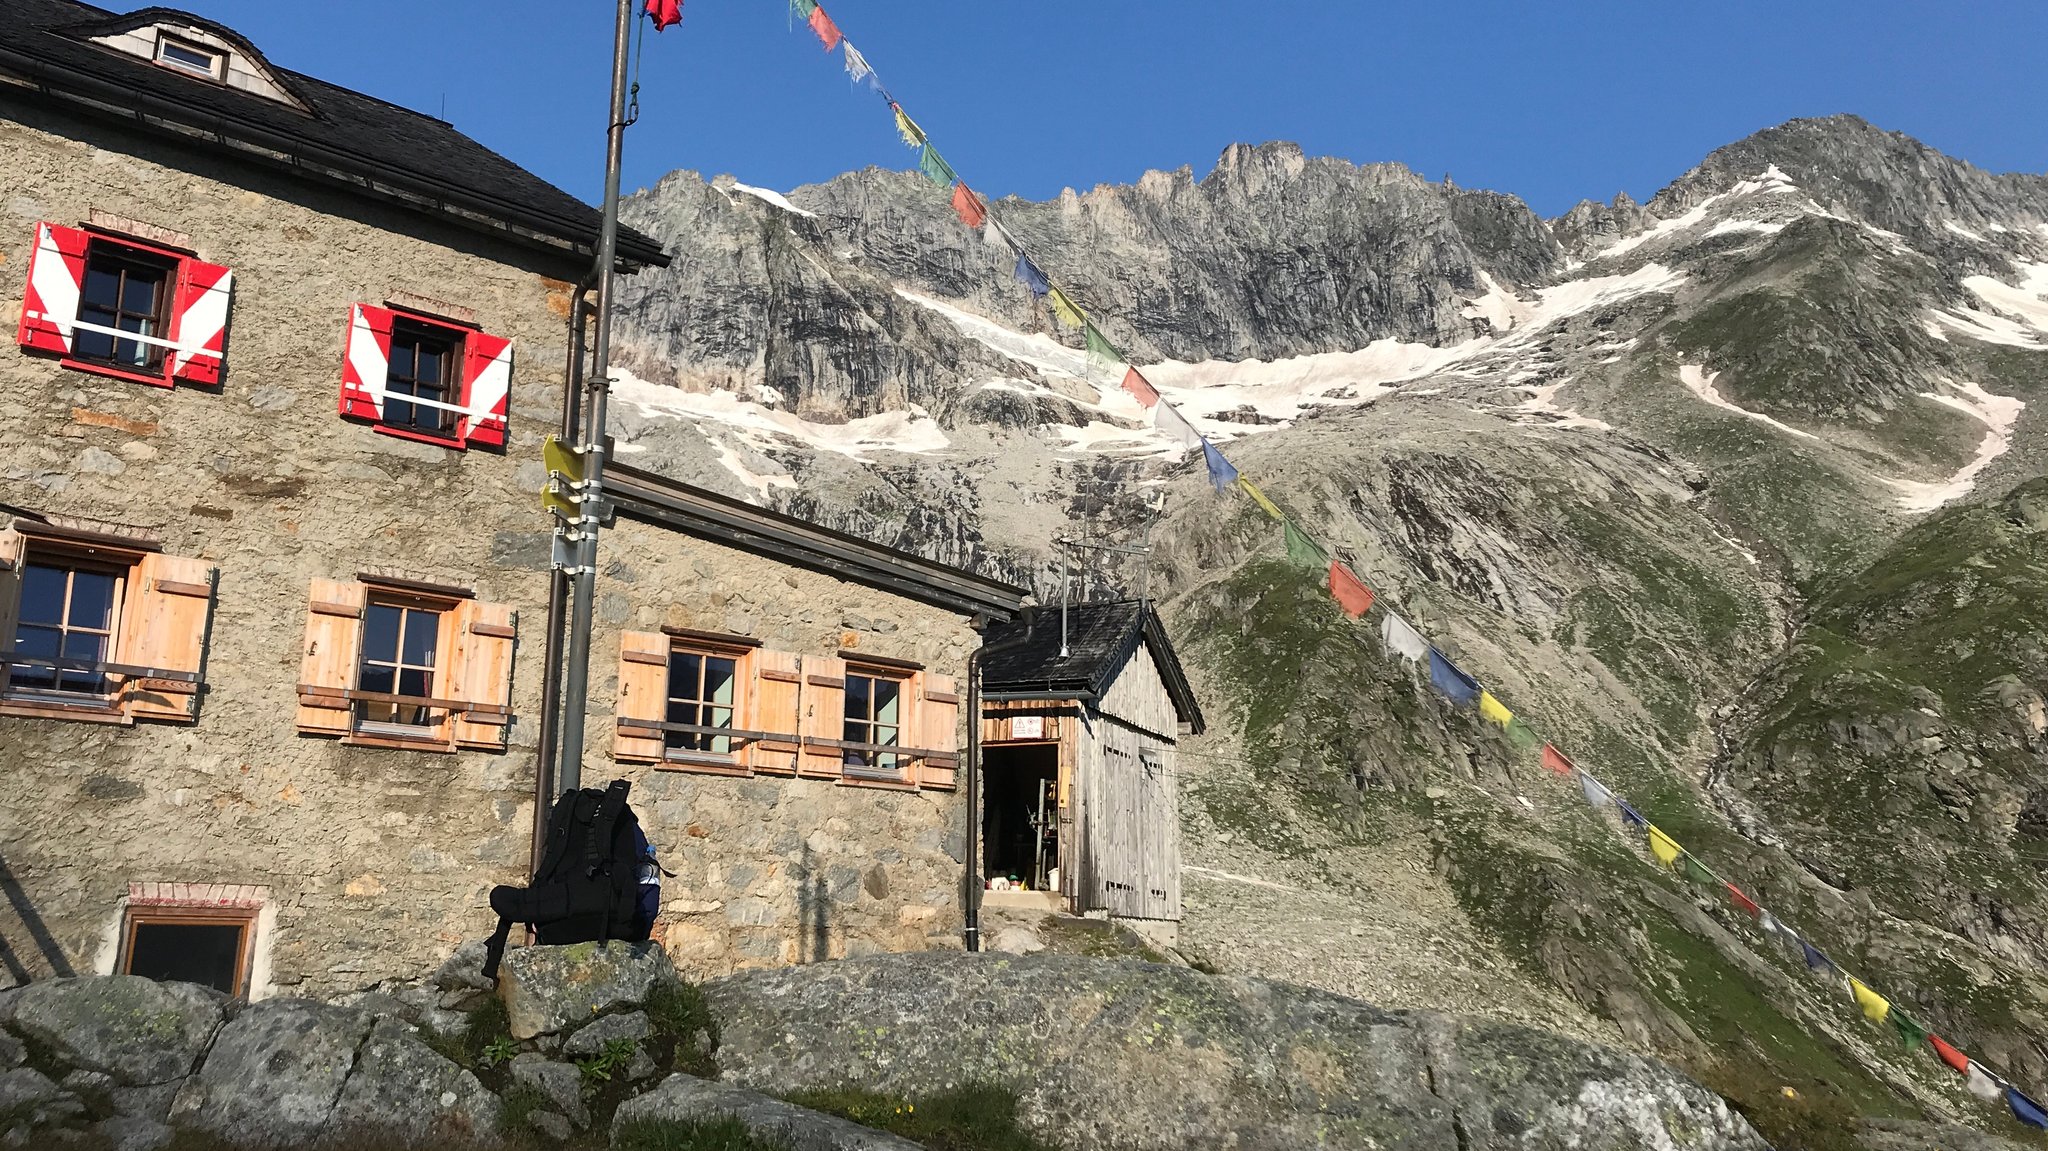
(558, 600)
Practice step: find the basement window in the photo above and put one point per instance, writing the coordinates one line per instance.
(209, 946)
(186, 56)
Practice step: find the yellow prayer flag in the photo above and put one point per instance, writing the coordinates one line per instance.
(1491, 711)
(1066, 311)
(913, 136)
(1664, 847)
(1875, 1007)
(1259, 498)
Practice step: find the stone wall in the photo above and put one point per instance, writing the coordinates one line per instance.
(777, 870)
(376, 861)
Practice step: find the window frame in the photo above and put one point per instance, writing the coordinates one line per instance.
(175, 915)
(437, 736)
(906, 681)
(164, 40)
(103, 707)
(740, 651)
(132, 251)
(452, 383)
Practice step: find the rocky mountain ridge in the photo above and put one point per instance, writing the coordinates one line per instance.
(1639, 468)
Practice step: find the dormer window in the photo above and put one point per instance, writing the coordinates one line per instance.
(186, 56)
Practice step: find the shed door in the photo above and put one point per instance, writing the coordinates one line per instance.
(1132, 814)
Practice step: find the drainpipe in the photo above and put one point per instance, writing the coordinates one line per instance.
(558, 600)
(971, 882)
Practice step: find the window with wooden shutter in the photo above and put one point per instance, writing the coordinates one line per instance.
(163, 636)
(778, 697)
(423, 378)
(939, 723)
(11, 551)
(481, 673)
(327, 671)
(117, 306)
(824, 715)
(643, 697)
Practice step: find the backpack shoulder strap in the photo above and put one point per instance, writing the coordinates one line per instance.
(558, 835)
(598, 844)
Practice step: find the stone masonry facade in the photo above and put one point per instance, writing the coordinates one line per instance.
(374, 863)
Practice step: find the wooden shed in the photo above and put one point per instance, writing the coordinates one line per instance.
(1080, 782)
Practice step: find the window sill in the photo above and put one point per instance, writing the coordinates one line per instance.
(435, 745)
(453, 443)
(162, 379)
(881, 783)
(79, 712)
(703, 765)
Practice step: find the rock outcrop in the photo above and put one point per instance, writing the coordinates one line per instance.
(1138, 1056)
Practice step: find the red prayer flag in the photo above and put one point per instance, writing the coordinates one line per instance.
(1556, 762)
(1352, 594)
(825, 28)
(665, 12)
(1743, 901)
(968, 205)
(1956, 1060)
(1140, 387)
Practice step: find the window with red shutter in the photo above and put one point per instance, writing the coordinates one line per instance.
(423, 378)
(116, 306)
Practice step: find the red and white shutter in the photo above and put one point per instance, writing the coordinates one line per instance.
(56, 279)
(486, 388)
(367, 366)
(199, 322)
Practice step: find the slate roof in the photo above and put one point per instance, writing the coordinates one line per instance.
(1101, 638)
(349, 139)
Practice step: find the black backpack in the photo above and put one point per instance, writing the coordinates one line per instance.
(587, 888)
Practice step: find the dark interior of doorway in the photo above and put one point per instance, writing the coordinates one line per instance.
(1020, 812)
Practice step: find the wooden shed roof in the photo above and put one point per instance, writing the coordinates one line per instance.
(1101, 638)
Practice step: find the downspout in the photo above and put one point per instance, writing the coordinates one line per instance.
(970, 883)
(558, 600)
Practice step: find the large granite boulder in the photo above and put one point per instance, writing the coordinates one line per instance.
(681, 1098)
(276, 1072)
(551, 989)
(1143, 1057)
(404, 1088)
(136, 1030)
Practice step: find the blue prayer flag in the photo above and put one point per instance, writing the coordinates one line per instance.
(1814, 958)
(1630, 814)
(1221, 473)
(1031, 277)
(2024, 1109)
(1462, 689)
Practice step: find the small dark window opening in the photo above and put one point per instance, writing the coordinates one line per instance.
(422, 368)
(399, 656)
(68, 613)
(701, 692)
(194, 946)
(126, 291)
(874, 715)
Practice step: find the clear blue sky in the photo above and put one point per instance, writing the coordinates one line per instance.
(1552, 100)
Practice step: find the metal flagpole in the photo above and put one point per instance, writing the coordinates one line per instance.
(583, 573)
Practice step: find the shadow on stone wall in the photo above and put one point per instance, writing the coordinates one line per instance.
(32, 926)
(814, 913)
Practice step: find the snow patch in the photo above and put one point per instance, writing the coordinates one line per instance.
(776, 198)
(760, 483)
(2027, 301)
(1976, 325)
(1542, 401)
(1770, 181)
(1727, 227)
(1284, 389)
(1701, 383)
(1959, 230)
(1998, 415)
(761, 427)
(1498, 308)
(1041, 352)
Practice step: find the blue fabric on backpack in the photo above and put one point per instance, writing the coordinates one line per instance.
(649, 905)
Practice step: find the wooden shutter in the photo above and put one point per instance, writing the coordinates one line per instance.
(163, 626)
(56, 279)
(10, 595)
(939, 725)
(643, 694)
(334, 637)
(486, 388)
(824, 717)
(199, 322)
(778, 693)
(480, 673)
(366, 366)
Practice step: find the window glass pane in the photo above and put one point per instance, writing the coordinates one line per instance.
(92, 599)
(884, 735)
(428, 370)
(888, 697)
(857, 700)
(685, 670)
(138, 297)
(102, 287)
(720, 676)
(42, 594)
(379, 678)
(422, 632)
(415, 681)
(37, 643)
(85, 645)
(93, 345)
(380, 632)
(202, 953)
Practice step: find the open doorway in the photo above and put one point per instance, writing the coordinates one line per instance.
(1020, 822)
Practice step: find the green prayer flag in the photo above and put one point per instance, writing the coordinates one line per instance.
(1520, 736)
(1099, 347)
(936, 169)
(1303, 552)
(1910, 1032)
(803, 8)
(1694, 870)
